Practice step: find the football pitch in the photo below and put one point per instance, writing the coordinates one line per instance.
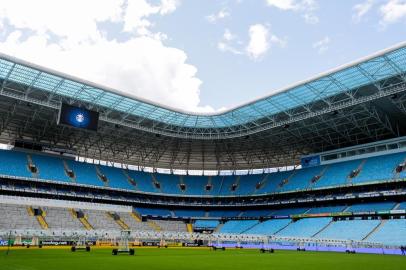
(190, 258)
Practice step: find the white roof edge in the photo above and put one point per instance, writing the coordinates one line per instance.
(182, 111)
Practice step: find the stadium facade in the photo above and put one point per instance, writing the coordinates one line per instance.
(346, 129)
(357, 103)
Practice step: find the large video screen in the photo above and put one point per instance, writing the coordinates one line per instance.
(78, 117)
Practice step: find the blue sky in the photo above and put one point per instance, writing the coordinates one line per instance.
(198, 55)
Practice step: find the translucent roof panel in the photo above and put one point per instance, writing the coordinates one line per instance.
(383, 65)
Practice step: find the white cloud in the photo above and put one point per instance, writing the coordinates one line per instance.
(393, 11)
(281, 42)
(46, 33)
(225, 44)
(222, 14)
(57, 16)
(306, 7)
(225, 47)
(283, 4)
(228, 35)
(361, 9)
(168, 6)
(137, 12)
(258, 43)
(322, 45)
(311, 18)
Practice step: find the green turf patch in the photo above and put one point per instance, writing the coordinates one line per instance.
(179, 259)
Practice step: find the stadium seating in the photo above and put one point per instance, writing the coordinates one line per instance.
(368, 207)
(378, 168)
(238, 226)
(349, 229)
(50, 168)
(100, 220)
(302, 178)
(133, 224)
(116, 177)
(14, 163)
(171, 225)
(16, 217)
(402, 206)
(195, 185)
(143, 180)
(269, 227)
(337, 174)
(392, 232)
(388, 232)
(61, 218)
(169, 183)
(85, 173)
(305, 227)
(274, 180)
(248, 183)
(209, 224)
(216, 185)
(226, 184)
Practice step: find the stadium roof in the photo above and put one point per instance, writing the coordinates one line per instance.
(247, 118)
(361, 102)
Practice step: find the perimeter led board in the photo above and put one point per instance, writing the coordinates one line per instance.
(78, 117)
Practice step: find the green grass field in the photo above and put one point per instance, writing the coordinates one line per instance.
(179, 259)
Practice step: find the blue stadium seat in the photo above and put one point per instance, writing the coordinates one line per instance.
(269, 227)
(116, 177)
(379, 168)
(14, 163)
(370, 207)
(301, 179)
(216, 184)
(226, 183)
(306, 227)
(195, 185)
(402, 206)
(374, 169)
(349, 229)
(273, 181)
(169, 183)
(209, 224)
(153, 211)
(337, 174)
(238, 226)
(85, 173)
(144, 181)
(248, 184)
(392, 232)
(50, 168)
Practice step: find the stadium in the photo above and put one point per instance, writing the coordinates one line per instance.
(311, 176)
